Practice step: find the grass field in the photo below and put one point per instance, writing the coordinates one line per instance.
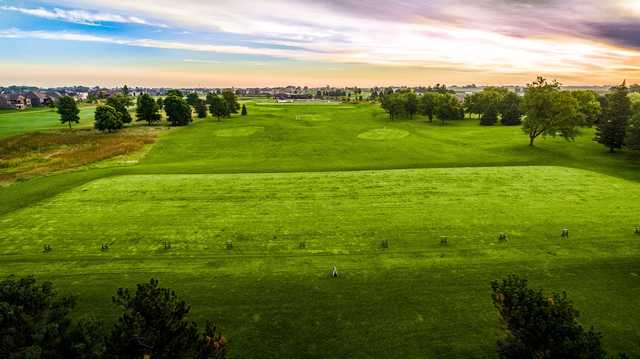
(39, 119)
(341, 179)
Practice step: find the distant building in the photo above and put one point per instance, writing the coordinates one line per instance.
(14, 101)
(39, 99)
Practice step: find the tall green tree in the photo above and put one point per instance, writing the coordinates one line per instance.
(125, 90)
(611, 131)
(410, 104)
(121, 103)
(217, 106)
(107, 119)
(448, 108)
(633, 131)
(510, 109)
(192, 99)
(244, 110)
(160, 102)
(393, 104)
(540, 326)
(68, 110)
(148, 109)
(178, 111)
(427, 104)
(232, 101)
(589, 108)
(201, 108)
(549, 111)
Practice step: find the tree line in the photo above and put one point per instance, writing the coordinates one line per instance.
(544, 110)
(35, 322)
(113, 114)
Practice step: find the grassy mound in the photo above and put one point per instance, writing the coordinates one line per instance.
(382, 134)
(239, 131)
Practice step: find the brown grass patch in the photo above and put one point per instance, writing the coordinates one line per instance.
(37, 153)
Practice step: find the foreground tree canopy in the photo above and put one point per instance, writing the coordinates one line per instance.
(35, 322)
(541, 326)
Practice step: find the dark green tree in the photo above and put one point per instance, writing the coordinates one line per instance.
(232, 101)
(427, 104)
(148, 110)
(244, 110)
(153, 322)
(125, 90)
(611, 131)
(393, 103)
(510, 109)
(107, 119)
(633, 131)
(448, 108)
(34, 320)
(201, 108)
(540, 326)
(217, 106)
(121, 103)
(160, 102)
(175, 92)
(410, 104)
(549, 111)
(192, 99)
(86, 340)
(68, 110)
(178, 111)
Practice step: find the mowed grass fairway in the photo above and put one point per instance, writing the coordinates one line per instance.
(40, 119)
(289, 174)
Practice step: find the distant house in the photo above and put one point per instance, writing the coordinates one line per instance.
(14, 101)
(39, 99)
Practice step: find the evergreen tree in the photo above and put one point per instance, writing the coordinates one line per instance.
(125, 90)
(148, 110)
(510, 109)
(611, 130)
(244, 110)
(107, 119)
(153, 322)
(68, 110)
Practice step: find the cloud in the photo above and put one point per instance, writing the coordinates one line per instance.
(80, 16)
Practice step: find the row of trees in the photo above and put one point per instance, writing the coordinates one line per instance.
(444, 106)
(544, 110)
(113, 114)
(35, 322)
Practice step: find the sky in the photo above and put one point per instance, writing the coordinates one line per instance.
(255, 43)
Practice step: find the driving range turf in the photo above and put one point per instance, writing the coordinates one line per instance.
(276, 179)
